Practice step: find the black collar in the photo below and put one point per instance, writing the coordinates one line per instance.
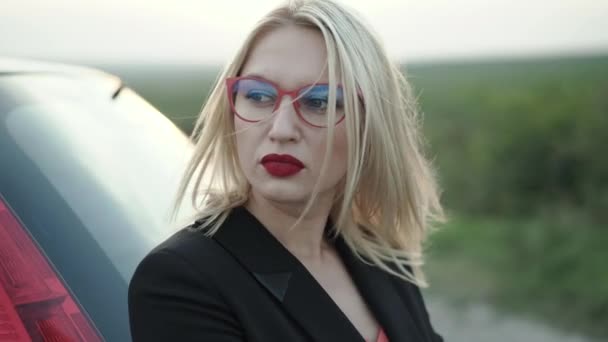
(284, 276)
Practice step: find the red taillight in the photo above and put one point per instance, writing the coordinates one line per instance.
(34, 304)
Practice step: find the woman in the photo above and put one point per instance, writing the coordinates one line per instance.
(316, 197)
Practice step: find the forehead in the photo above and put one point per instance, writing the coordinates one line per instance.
(291, 56)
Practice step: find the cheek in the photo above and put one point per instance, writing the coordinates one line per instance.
(338, 161)
(340, 150)
(244, 145)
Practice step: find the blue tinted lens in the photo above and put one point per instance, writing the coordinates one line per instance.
(316, 98)
(255, 91)
(322, 91)
(253, 99)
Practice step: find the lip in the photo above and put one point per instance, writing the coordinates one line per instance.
(281, 165)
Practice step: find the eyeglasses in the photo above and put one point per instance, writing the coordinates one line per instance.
(254, 99)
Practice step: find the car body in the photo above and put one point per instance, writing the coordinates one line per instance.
(88, 171)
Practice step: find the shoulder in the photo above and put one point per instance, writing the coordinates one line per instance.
(189, 251)
(193, 252)
(189, 243)
(174, 293)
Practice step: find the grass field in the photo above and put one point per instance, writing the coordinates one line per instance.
(520, 147)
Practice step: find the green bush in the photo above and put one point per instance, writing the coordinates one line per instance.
(519, 138)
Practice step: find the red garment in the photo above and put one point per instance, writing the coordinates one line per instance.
(381, 336)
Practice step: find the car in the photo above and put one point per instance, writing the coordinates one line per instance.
(88, 171)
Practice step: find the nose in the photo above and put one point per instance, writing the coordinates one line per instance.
(285, 124)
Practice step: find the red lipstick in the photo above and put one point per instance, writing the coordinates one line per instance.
(281, 165)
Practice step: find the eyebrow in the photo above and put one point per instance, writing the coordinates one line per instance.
(253, 74)
(256, 75)
(259, 75)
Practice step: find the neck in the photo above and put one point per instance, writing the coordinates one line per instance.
(306, 239)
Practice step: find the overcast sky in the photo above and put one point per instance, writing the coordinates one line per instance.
(201, 31)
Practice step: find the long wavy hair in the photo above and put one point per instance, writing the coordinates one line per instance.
(389, 198)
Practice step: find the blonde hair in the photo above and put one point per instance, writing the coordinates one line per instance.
(390, 197)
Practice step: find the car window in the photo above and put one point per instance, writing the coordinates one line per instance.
(94, 149)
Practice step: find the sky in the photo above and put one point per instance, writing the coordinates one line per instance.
(209, 32)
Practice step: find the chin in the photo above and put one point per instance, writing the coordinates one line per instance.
(285, 194)
(293, 190)
(295, 194)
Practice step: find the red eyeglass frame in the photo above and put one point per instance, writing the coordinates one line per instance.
(230, 81)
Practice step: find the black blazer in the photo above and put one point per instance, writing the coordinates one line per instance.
(243, 285)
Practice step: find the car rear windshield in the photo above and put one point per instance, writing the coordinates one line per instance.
(91, 176)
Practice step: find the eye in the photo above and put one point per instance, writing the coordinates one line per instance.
(316, 104)
(259, 97)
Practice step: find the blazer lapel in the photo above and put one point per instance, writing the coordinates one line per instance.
(287, 280)
(383, 298)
